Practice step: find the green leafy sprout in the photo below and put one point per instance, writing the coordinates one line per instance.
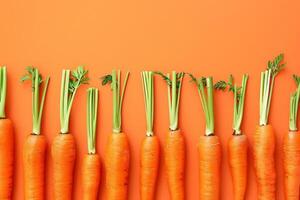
(71, 81)
(36, 79)
(114, 79)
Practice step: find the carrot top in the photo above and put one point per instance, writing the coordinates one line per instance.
(35, 77)
(239, 99)
(148, 88)
(266, 87)
(174, 90)
(115, 80)
(92, 108)
(2, 91)
(70, 84)
(294, 101)
(207, 101)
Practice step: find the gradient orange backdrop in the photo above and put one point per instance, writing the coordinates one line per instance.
(209, 37)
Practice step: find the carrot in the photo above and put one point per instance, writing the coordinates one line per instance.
(291, 149)
(237, 145)
(209, 146)
(6, 144)
(34, 150)
(264, 137)
(150, 146)
(63, 147)
(117, 153)
(174, 148)
(91, 161)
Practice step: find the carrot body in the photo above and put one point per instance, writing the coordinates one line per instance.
(291, 163)
(117, 157)
(63, 155)
(237, 150)
(6, 158)
(91, 168)
(149, 167)
(209, 166)
(34, 154)
(175, 162)
(263, 155)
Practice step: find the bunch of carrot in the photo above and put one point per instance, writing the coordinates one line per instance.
(264, 137)
(34, 152)
(63, 146)
(209, 145)
(291, 149)
(6, 143)
(238, 144)
(91, 161)
(174, 147)
(117, 153)
(150, 145)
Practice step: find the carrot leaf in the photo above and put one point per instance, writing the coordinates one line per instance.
(114, 79)
(174, 89)
(2, 91)
(148, 89)
(206, 97)
(71, 81)
(294, 102)
(267, 85)
(92, 113)
(35, 77)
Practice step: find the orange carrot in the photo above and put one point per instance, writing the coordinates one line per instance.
(7, 158)
(91, 167)
(264, 137)
(117, 154)
(209, 167)
(6, 144)
(150, 145)
(149, 167)
(34, 155)
(174, 160)
(34, 150)
(291, 149)
(117, 157)
(263, 155)
(64, 147)
(237, 150)
(237, 145)
(91, 162)
(63, 155)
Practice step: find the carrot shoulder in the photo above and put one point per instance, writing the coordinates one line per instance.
(263, 155)
(209, 167)
(63, 155)
(117, 157)
(175, 162)
(237, 150)
(7, 158)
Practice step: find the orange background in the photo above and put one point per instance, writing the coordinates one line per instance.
(210, 37)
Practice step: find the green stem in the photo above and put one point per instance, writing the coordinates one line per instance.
(2, 91)
(92, 112)
(148, 89)
(294, 102)
(118, 99)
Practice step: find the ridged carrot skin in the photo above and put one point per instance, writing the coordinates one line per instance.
(117, 158)
(237, 152)
(91, 174)
(34, 154)
(175, 162)
(6, 158)
(291, 163)
(264, 165)
(63, 156)
(149, 167)
(209, 167)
